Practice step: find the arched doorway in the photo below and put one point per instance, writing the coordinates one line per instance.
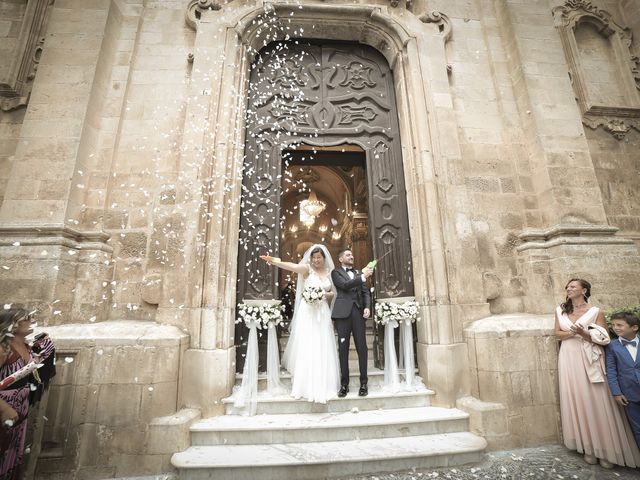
(315, 96)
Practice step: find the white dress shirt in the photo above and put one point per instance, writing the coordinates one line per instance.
(353, 275)
(632, 349)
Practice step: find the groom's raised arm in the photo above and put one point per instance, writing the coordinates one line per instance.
(342, 283)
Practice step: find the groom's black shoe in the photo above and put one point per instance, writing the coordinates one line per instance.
(364, 391)
(344, 389)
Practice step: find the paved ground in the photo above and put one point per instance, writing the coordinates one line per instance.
(549, 462)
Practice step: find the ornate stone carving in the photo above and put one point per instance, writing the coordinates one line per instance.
(408, 3)
(618, 127)
(15, 84)
(195, 9)
(357, 76)
(440, 19)
(616, 119)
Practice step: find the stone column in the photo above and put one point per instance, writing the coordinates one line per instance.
(443, 255)
(214, 113)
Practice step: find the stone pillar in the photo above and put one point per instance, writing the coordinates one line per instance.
(434, 206)
(214, 112)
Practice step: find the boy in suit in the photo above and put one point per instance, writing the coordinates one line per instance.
(623, 367)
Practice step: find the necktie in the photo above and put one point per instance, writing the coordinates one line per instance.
(629, 342)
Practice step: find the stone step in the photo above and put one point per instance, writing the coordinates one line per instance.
(319, 427)
(377, 399)
(376, 377)
(328, 459)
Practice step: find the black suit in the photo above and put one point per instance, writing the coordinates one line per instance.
(351, 300)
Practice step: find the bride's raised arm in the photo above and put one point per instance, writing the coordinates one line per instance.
(292, 267)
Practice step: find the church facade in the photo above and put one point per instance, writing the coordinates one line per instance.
(140, 178)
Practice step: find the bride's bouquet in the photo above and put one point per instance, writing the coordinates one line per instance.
(313, 294)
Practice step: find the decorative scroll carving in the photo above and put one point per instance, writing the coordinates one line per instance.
(408, 3)
(616, 119)
(618, 127)
(440, 19)
(357, 76)
(15, 85)
(195, 9)
(351, 114)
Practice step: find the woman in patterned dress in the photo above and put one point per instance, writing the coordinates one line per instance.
(18, 322)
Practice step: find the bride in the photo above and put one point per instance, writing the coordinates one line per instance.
(311, 355)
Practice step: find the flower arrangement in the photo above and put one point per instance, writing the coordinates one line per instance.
(396, 312)
(312, 294)
(262, 315)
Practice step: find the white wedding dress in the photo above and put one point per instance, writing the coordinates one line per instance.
(311, 355)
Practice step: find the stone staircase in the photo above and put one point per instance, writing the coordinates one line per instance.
(297, 439)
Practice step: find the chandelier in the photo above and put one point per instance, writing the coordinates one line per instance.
(312, 206)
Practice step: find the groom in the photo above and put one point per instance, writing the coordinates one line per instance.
(352, 306)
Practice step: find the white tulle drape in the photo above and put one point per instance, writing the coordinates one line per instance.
(391, 372)
(274, 386)
(246, 397)
(406, 336)
(405, 361)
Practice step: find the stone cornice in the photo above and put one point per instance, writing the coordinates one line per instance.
(53, 234)
(570, 234)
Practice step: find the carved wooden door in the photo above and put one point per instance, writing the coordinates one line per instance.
(321, 94)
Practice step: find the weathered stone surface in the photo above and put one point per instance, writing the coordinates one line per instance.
(133, 136)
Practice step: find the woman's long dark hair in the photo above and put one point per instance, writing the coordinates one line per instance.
(10, 317)
(316, 250)
(567, 306)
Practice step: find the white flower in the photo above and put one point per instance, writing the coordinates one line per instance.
(313, 294)
(386, 312)
(261, 316)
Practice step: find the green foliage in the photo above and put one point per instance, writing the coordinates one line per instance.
(633, 309)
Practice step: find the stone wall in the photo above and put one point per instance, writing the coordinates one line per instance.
(10, 126)
(513, 359)
(116, 382)
(620, 193)
(119, 200)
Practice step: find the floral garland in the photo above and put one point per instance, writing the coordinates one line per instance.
(313, 294)
(396, 312)
(262, 316)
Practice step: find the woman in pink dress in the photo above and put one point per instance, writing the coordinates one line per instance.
(592, 423)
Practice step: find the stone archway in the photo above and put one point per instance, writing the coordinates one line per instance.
(388, 31)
